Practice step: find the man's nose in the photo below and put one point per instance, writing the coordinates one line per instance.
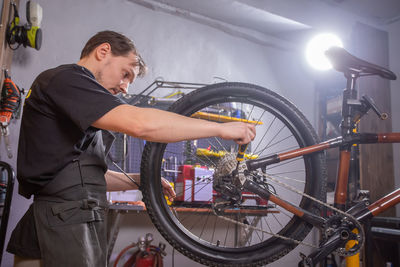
(124, 85)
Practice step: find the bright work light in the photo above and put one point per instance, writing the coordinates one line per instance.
(315, 52)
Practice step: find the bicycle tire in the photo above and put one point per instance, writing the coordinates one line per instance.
(265, 251)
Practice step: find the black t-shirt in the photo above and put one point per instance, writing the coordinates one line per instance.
(56, 124)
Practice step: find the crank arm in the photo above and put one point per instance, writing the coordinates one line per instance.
(324, 250)
(307, 216)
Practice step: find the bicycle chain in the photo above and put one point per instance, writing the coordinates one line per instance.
(340, 251)
(264, 231)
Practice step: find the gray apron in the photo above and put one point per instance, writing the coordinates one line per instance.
(69, 212)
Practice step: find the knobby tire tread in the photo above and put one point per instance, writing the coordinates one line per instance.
(147, 162)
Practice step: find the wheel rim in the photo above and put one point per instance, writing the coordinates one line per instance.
(210, 231)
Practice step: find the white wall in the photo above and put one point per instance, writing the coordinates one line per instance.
(174, 48)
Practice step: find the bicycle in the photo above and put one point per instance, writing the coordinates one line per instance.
(232, 222)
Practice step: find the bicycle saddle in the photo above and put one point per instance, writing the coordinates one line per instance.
(345, 62)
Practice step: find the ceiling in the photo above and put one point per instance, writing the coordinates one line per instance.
(256, 14)
(238, 13)
(257, 19)
(382, 11)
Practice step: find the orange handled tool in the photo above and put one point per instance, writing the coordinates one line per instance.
(9, 104)
(10, 100)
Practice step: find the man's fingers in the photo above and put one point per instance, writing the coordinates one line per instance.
(249, 134)
(171, 192)
(252, 129)
(168, 189)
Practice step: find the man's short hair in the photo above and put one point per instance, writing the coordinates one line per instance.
(120, 46)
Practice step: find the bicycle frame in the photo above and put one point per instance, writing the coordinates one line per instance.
(257, 239)
(352, 111)
(344, 164)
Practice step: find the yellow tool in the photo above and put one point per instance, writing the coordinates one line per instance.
(221, 118)
(210, 153)
(240, 154)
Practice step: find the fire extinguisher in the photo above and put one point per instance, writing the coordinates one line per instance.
(145, 254)
(147, 258)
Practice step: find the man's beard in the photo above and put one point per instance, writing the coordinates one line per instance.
(99, 78)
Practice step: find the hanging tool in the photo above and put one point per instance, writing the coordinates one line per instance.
(9, 104)
(29, 34)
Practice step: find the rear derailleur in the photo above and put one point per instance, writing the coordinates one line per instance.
(230, 180)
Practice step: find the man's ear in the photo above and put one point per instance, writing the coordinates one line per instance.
(102, 51)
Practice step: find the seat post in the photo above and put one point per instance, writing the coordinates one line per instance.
(349, 93)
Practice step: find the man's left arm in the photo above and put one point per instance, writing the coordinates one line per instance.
(117, 181)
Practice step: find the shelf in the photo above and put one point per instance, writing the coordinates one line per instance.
(250, 211)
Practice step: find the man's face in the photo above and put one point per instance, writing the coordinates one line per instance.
(118, 72)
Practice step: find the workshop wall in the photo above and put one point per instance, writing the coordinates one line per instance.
(174, 48)
(394, 65)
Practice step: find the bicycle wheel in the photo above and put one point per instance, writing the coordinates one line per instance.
(245, 233)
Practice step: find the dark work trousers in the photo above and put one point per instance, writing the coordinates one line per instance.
(65, 225)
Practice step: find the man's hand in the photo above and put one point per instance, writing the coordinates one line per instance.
(240, 132)
(167, 189)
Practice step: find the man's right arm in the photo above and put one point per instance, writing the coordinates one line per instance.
(162, 126)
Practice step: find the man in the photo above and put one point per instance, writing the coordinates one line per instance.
(61, 151)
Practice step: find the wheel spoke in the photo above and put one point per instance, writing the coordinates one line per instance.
(273, 138)
(265, 133)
